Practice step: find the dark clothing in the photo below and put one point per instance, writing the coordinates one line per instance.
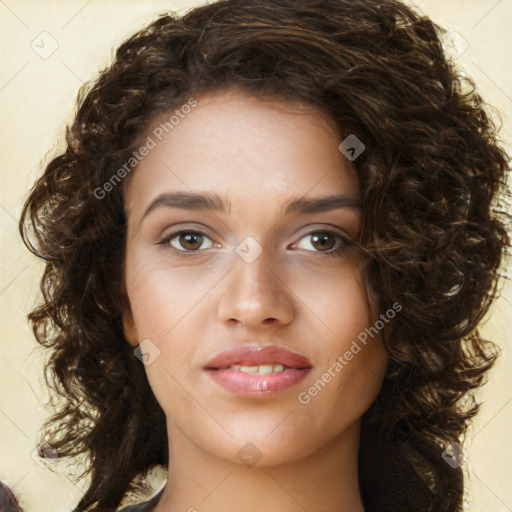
(145, 506)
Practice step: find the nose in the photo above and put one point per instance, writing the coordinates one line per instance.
(255, 296)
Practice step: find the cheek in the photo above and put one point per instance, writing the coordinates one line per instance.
(161, 297)
(358, 346)
(353, 361)
(166, 304)
(339, 305)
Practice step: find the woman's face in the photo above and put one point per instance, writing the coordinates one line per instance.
(261, 263)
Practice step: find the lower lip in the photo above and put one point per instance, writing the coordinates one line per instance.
(250, 384)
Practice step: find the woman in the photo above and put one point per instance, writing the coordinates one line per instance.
(269, 243)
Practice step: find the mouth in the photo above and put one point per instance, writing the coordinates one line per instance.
(257, 371)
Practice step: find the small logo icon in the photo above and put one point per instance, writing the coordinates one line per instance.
(146, 352)
(249, 455)
(454, 455)
(351, 147)
(44, 455)
(45, 45)
(249, 250)
(454, 44)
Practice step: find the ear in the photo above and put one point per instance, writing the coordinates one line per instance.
(129, 328)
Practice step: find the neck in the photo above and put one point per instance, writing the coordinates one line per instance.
(325, 480)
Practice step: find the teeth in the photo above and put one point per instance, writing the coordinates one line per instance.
(264, 369)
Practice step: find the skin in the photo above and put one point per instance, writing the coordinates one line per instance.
(258, 155)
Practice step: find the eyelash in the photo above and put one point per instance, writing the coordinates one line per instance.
(186, 253)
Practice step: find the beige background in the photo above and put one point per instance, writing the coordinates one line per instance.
(36, 98)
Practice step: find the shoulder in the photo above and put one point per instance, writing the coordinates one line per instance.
(145, 506)
(139, 507)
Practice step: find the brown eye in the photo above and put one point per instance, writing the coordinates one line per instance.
(327, 242)
(323, 242)
(191, 241)
(188, 241)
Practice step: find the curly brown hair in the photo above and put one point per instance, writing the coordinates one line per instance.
(432, 238)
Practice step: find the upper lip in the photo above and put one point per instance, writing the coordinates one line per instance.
(256, 356)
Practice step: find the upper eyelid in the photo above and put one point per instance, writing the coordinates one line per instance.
(173, 232)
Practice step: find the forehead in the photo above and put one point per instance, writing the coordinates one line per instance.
(253, 151)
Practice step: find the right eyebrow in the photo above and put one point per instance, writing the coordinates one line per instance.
(189, 201)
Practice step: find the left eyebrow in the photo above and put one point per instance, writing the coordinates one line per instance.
(321, 204)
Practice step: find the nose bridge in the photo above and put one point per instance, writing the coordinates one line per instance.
(253, 293)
